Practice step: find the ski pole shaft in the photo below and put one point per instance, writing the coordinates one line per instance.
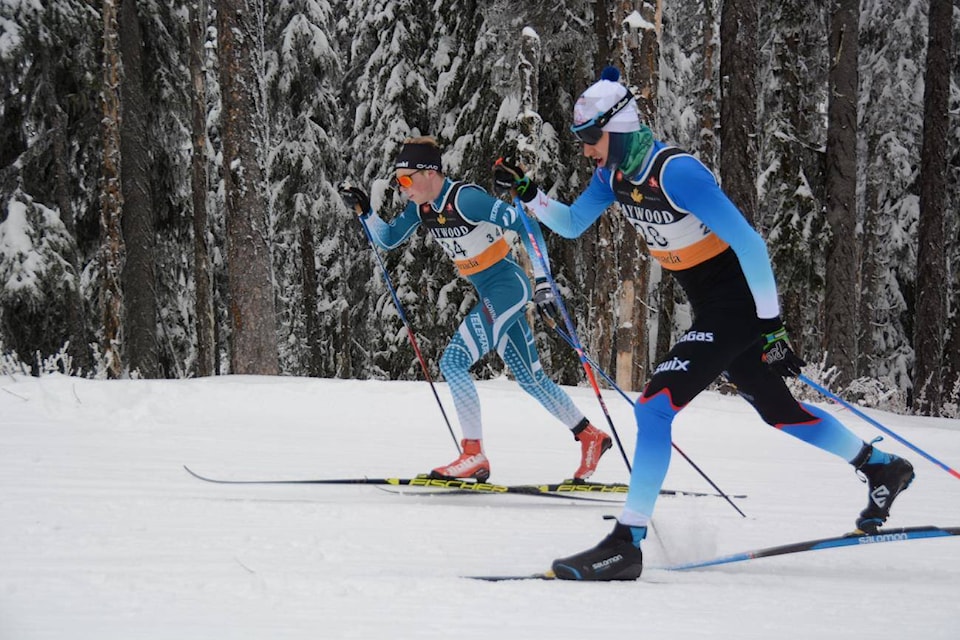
(406, 324)
(863, 416)
(613, 384)
(588, 370)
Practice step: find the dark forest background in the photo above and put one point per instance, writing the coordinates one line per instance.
(168, 174)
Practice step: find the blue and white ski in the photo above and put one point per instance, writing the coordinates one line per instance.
(847, 540)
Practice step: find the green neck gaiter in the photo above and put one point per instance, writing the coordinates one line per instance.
(627, 151)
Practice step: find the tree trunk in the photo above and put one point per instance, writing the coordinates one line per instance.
(600, 245)
(139, 271)
(840, 304)
(708, 101)
(311, 326)
(202, 268)
(931, 313)
(640, 52)
(530, 124)
(111, 199)
(951, 355)
(79, 348)
(738, 104)
(253, 321)
(869, 283)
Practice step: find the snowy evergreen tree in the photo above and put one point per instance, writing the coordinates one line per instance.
(205, 365)
(388, 91)
(111, 196)
(138, 217)
(891, 93)
(302, 83)
(50, 149)
(472, 78)
(842, 265)
(790, 183)
(168, 82)
(951, 375)
(253, 321)
(341, 84)
(930, 326)
(739, 104)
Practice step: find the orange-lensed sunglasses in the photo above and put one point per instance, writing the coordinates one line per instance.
(406, 181)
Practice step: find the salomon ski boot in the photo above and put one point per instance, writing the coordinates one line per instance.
(886, 475)
(617, 557)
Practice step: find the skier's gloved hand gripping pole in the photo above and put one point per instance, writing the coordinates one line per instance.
(356, 199)
(780, 357)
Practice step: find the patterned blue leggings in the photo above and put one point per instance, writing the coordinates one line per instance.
(498, 322)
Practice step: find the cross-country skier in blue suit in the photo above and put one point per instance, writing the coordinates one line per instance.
(469, 225)
(693, 230)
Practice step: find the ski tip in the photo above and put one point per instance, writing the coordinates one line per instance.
(197, 475)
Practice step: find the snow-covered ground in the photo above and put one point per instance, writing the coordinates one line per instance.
(103, 535)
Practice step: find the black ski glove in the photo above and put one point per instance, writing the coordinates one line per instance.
(508, 176)
(545, 300)
(354, 198)
(777, 352)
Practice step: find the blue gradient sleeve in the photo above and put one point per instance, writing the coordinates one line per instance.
(572, 220)
(391, 235)
(692, 187)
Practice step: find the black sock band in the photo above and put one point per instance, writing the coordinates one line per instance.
(577, 430)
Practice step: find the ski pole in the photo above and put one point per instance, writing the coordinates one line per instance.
(566, 319)
(406, 324)
(550, 321)
(887, 431)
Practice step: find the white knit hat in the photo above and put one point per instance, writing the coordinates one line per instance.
(602, 95)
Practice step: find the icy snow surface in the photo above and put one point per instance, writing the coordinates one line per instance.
(104, 535)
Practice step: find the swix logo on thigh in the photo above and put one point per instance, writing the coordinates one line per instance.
(673, 365)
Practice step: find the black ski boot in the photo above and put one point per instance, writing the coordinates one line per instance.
(886, 476)
(617, 557)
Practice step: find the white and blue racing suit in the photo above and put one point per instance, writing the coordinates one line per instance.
(469, 224)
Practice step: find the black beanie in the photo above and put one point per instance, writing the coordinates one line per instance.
(418, 155)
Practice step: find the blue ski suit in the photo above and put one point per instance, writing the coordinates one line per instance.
(469, 225)
(693, 230)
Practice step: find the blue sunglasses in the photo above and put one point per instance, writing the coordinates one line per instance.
(591, 131)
